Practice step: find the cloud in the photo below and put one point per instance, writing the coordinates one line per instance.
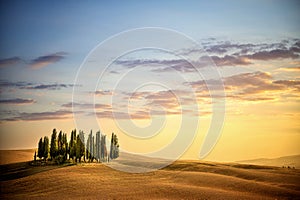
(165, 99)
(171, 102)
(247, 59)
(221, 47)
(252, 99)
(34, 86)
(274, 54)
(230, 60)
(160, 65)
(247, 79)
(17, 101)
(289, 69)
(9, 61)
(222, 54)
(153, 62)
(123, 115)
(38, 116)
(55, 86)
(20, 84)
(244, 86)
(103, 93)
(259, 86)
(232, 54)
(87, 106)
(43, 61)
(255, 86)
(226, 46)
(114, 72)
(292, 84)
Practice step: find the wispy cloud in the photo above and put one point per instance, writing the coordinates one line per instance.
(123, 115)
(34, 86)
(55, 86)
(9, 61)
(36, 63)
(274, 54)
(17, 101)
(87, 106)
(254, 86)
(159, 65)
(103, 93)
(231, 60)
(43, 61)
(39, 116)
(222, 54)
(4, 83)
(289, 69)
(293, 84)
(171, 102)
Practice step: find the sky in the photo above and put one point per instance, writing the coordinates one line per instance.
(172, 76)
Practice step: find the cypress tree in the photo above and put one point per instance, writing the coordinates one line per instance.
(60, 143)
(73, 144)
(46, 147)
(34, 157)
(98, 146)
(80, 146)
(88, 149)
(111, 146)
(65, 146)
(41, 148)
(53, 145)
(114, 147)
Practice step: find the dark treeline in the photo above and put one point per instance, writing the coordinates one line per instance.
(59, 150)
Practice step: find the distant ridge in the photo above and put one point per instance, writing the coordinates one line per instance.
(292, 161)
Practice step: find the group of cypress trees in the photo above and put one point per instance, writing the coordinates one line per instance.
(96, 149)
(60, 150)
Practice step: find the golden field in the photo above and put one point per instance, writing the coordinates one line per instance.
(181, 180)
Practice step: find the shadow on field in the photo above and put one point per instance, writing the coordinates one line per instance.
(23, 169)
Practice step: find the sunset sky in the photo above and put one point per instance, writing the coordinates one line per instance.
(254, 45)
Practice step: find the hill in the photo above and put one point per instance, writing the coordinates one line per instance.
(292, 161)
(180, 180)
(15, 156)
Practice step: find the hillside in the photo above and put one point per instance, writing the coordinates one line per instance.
(15, 156)
(292, 161)
(180, 180)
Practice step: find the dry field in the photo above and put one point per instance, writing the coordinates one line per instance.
(15, 156)
(181, 180)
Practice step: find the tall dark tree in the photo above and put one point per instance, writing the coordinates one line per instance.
(34, 157)
(111, 146)
(72, 145)
(89, 147)
(46, 147)
(60, 143)
(41, 149)
(93, 149)
(116, 144)
(98, 146)
(103, 148)
(65, 146)
(53, 145)
(87, 152)
(80, 146)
